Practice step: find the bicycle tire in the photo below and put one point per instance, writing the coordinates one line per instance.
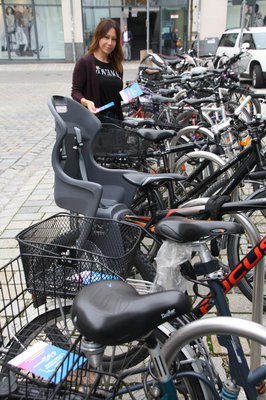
(142, 206)
(217, 186)
(188, 134)
(187, 165)
(143, 267)
(48, 325)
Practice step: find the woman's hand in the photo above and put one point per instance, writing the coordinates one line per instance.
(88, 104)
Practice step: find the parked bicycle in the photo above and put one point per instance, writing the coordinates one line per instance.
(90, 366)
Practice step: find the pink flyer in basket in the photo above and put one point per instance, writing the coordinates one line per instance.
(43, 359)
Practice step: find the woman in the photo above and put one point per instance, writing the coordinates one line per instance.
(97, 76)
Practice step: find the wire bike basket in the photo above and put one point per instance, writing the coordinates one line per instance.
(40, 354)
(113, 142)
(65, 252)
(59, 369)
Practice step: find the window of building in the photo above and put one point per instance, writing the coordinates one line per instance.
(31, 29)
(50, 32)
(91, 17)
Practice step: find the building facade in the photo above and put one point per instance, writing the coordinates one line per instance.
(61, 30)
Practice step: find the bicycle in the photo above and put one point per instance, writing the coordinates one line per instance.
(208, 271)
(239, 167)
(117, 193)
(235, 246)
(79, 380)
(59, 256)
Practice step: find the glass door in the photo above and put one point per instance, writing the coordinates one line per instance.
(173, 30)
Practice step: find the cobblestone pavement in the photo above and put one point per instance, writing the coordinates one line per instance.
(27, 136)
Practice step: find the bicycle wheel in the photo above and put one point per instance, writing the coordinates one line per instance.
(55, 327)
(240, 193)
(146, 203)
(196, 167)
(188, 134)
(143, 267)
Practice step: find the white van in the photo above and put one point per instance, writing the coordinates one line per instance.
(254, 40)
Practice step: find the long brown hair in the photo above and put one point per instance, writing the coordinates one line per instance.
(116, 57)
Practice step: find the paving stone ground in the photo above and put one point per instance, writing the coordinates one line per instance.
(27, 136)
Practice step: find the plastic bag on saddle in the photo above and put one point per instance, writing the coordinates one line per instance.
(169, 258)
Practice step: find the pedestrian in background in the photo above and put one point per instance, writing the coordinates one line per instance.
(126, 41)
(98, 76)
(174, 39)
(258, 20)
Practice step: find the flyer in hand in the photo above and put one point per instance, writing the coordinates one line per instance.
(131, 92)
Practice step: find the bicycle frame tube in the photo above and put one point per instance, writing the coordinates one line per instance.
(244, 168)
(231, 280)
(212, 178)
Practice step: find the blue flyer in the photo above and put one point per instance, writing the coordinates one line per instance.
(131, 92)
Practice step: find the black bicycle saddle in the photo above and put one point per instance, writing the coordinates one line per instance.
(113, 312)
(185, 230)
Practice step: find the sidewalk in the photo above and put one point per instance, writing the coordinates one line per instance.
(27, 137)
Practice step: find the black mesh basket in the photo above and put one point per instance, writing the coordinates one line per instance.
(68, 375)
(65, 252)
(23, 326)
(113, 141)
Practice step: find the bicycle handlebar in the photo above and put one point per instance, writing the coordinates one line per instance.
(215, 326)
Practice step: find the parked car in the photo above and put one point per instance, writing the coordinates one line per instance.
(254, 40)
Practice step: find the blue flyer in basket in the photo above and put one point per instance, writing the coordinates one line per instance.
(131, 92)
(43, 359)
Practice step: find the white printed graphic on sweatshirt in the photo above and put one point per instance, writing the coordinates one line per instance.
(106, 72)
